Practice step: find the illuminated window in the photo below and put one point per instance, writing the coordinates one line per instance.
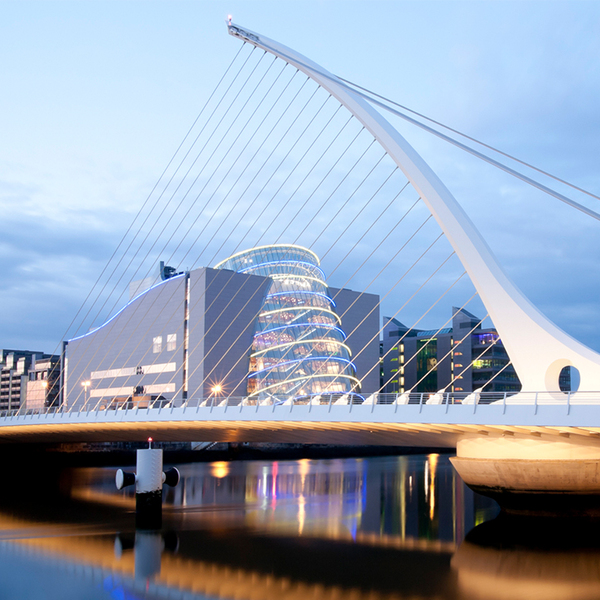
(157, 344)
(171, 342)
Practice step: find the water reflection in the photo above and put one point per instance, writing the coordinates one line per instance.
(401, 498)
(549, 559)
(384, 528)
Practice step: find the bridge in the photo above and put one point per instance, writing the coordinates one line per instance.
(273, 360)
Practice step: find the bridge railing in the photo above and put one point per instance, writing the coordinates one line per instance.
(244, 404)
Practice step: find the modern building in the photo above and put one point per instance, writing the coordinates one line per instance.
(16, 367)
(262, 324)
(461, 358)
(43, 382)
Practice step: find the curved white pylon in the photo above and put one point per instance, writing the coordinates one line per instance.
(537, 347)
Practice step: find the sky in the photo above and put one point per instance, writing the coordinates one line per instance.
(96, 97)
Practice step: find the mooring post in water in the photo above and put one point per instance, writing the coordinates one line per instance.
(148, 479)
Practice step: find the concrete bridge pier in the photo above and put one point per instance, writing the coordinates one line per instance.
(537, 474)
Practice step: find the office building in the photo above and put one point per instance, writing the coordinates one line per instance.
(15, 366)
(460, 358)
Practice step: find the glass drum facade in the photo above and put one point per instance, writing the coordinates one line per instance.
(299, 347)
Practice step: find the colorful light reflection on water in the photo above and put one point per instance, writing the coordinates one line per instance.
(384, 528)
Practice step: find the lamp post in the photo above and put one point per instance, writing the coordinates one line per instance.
(86, 385)
(45, 392)
(216, 390)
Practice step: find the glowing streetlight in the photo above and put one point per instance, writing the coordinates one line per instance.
(86, 385)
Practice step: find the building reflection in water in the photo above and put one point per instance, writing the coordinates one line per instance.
(375, 529)
(401, 497)
(378, 529)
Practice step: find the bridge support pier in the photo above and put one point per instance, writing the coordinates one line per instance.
(543, 474)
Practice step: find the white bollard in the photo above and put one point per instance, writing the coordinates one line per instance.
(148, 479)
(148, 488)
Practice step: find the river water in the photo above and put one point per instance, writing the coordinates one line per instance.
(400, 527)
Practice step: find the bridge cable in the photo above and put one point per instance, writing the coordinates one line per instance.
(153, 190)
(377, 102)
(445, 356)
(162, 212)
(465, 369)
(485, 158)
(292, 221)
(211, 136)
(279, 142)
(399, 280)
(317, 88)
(290, 199)
(472, 139)
(412, 328)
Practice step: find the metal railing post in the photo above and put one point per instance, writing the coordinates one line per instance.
(421, 403)
(569, 403)
(504, 404)
(535, 403)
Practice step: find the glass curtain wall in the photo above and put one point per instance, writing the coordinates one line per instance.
(299, 346)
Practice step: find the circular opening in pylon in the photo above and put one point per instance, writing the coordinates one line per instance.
(568, 379)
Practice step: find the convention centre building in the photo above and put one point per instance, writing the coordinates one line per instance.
(261, 325)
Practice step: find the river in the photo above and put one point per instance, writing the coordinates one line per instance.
(394, 527)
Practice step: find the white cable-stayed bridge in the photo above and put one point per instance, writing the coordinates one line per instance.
(291, 178)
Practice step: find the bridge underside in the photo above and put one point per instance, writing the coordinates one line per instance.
(384, 434)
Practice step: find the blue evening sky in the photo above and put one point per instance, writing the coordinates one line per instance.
(95, 97)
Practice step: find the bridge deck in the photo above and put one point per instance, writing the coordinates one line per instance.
(402, 425)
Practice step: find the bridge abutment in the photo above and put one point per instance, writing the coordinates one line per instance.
(533, 474)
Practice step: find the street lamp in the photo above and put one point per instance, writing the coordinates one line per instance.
(215, 391)
(86, 385)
